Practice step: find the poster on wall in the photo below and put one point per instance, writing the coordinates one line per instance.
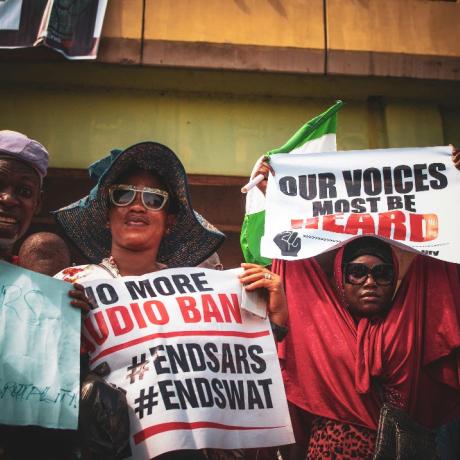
(71, 27)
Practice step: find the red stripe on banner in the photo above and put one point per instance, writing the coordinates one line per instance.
(131, 343)
(162, 427)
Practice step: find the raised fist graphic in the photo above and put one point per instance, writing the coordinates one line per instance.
(289, 243)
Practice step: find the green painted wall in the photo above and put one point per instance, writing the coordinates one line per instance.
(218, 123)
(212, 135)
(415, 124)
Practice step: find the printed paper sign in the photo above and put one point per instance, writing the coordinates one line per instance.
(10, 14)
(199, 372)
(39, 350)
(316, 202)
(72, 28)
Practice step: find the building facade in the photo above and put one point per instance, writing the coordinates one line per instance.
(223, 81)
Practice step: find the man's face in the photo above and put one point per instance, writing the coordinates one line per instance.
(20, 198)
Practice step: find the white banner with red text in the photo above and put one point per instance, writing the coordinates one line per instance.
(199, 371)
(316, 202)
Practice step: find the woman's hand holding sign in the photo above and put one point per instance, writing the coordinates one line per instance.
(79, 299)
(257, 277)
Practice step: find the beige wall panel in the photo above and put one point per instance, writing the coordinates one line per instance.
(122, 32)
(394, 26)
(280, 23)
(411, 125)
(263, 35)
(393, 38)
(123, 19)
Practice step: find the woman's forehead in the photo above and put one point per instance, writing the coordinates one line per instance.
(367, 259)
(141, 177)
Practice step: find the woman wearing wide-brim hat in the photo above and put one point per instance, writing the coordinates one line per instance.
(159, 198)
(138, 219)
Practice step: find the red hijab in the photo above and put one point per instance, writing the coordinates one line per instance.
(341, 370)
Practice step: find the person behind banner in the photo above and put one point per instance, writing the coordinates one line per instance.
(23, 165)
(139, 219)
(45, 253)
(365, 358)
(213, 262)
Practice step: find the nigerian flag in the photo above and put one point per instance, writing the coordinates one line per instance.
(317, 135)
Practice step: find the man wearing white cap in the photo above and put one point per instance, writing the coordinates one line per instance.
(23, 165)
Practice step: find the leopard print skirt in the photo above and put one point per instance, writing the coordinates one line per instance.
(340, 441)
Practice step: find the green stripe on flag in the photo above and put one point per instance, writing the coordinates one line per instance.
(323, 124)
(251, 232)
(304, 140)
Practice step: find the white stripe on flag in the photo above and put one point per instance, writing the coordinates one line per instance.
(326, 143)
(255, 199)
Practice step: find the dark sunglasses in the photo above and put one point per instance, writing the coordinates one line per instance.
(152, 198)
(382, 274)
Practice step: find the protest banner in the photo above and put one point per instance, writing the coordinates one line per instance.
(71, 28)
(39, 351)
(199, 371)
(319, 201)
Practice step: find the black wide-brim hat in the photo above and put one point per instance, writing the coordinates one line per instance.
(190, 240)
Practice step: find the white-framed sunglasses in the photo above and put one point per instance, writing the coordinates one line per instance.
(152, 198)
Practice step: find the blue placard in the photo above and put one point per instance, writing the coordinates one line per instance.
(39, 350)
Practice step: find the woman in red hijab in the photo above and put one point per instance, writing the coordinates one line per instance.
(356, 343)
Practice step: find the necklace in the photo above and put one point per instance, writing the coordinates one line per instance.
(111, 266)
